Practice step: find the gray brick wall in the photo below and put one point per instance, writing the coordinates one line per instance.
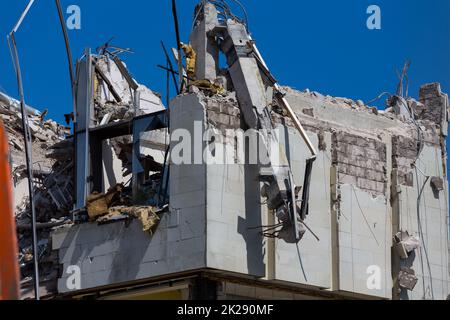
(360, 161)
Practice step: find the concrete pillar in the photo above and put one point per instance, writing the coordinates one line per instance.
(205, 46)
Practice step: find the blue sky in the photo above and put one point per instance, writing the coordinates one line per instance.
(321, 45)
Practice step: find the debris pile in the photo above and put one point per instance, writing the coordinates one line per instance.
(406, 246)
(45, 134)
(115, 205)
(53, 182)
(98, 204)
(52, 163)
(117, 95)
(407, 279)
(148, 216)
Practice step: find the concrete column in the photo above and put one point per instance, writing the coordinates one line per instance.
(205, 46)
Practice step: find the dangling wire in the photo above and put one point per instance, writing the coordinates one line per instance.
(419, 222)
(227, 12)
(29, 162)
(28, 147)
(244, 11)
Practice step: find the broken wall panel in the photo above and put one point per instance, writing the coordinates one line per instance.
(361, 162)
(113, 171)
(105, 93)
(131, 97)
(434, 106)
(405, 152)
(429, 224)
(364, 243)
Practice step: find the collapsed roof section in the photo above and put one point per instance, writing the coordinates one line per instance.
(117, 96)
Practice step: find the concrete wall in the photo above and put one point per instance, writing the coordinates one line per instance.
(112, 167)
(366, 216)
(233, 213)
(233, 196)
(430, 262)
(337, 114)
(309, 262)
(117, 253)
(365, 236)
(365, 240)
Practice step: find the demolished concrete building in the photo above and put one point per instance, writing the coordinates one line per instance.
(352, 202)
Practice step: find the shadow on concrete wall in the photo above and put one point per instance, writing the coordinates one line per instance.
(253, 218)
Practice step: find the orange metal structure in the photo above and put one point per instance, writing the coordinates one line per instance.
(9, 268)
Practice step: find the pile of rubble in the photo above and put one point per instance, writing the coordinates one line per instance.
(117, 95)
(396, 108)
(116, 205)
(53, 181)
(45, 134)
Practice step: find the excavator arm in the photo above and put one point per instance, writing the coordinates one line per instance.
(9, 268)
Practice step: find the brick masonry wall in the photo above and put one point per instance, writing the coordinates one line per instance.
(433, 105)
(405, 151)
(223, 113)
(361, 162)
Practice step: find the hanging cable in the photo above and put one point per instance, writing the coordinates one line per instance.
(379, 97)
(419, 129)
(170, 66)
(227, 12)
(178, 39)
(419, 222)
(197, 14)
(244, 11)
(27, 139)
(69, 54)
(29, 162)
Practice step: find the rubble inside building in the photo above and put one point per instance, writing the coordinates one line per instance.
(354, 186)
(54, 171)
